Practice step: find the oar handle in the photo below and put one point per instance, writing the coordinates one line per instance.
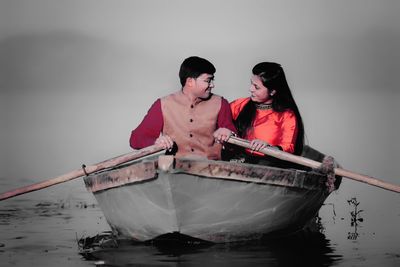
(276, 153)
(86, 171)
(315, 165)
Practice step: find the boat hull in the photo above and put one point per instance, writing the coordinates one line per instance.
(211, 200)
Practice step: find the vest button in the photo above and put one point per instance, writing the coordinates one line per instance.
(192, 149)
(191, 106)
(191, 120)
(191, 135)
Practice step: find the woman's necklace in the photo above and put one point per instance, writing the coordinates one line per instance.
(263, 106)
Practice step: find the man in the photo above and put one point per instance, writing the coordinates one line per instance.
(194, 118)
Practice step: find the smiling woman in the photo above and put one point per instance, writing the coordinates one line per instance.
(269, 117)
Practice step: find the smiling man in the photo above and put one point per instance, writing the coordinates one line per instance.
(193, 118)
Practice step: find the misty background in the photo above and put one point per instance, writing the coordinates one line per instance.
(77, 76)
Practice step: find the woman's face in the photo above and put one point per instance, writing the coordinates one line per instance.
(258, 92)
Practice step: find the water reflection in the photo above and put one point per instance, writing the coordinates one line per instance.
(45, 231)
(302, 249)
(24, 210)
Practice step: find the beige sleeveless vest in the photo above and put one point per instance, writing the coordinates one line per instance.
(191, 125)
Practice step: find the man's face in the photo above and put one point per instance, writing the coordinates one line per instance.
(203, 85)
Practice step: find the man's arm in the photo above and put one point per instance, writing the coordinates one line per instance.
(149, 129)
(225, 126)
(225, 116)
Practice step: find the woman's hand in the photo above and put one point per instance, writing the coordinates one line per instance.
(257, 144)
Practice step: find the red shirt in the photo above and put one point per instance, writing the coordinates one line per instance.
(152, 125)
(276, 128)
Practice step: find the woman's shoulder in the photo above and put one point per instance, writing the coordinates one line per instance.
(287, 114)
(237, 105)
(240, 101)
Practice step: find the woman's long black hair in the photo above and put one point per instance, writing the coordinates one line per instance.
(272, 77)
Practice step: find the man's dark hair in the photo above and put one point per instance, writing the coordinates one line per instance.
(193, 67)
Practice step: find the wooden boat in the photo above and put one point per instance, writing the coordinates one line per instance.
(215, 201)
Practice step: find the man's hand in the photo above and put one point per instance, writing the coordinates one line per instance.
(222, 135)
(165, 142)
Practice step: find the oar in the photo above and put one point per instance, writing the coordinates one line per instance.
(85, 170)
(315, 164)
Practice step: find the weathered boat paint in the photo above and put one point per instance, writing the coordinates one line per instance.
(215, 201)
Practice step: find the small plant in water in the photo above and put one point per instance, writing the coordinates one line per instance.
(355, 218)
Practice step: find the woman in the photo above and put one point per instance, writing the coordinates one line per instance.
(269, 117)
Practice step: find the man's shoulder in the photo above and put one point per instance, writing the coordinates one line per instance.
(170, 95)
(217, 96)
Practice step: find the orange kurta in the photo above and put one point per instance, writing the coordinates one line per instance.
(276, 128)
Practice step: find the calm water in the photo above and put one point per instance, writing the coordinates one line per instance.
(43, 229)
